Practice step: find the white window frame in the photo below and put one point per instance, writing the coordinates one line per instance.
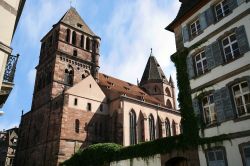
(201, 60)
(197, 30)
(216, 161)
(210, 106)
(222, 9)
(230, 43)
(241, 95)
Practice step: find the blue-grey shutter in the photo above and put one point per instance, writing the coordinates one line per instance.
(190, 67)
(209, 57)
(185, 34)
(203, 21)
(218, 106)
(196, 107)
(217, 53)
(240, 2)
(232, 4)
(242, 39)
(227, 103)
(210, 16)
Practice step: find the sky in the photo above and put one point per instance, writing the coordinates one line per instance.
(128, 30)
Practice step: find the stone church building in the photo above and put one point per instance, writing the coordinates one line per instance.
(74, 105)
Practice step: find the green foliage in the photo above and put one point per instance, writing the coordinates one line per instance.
(94, 155)
(189, 120)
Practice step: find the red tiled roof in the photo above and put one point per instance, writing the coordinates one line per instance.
(125, 88)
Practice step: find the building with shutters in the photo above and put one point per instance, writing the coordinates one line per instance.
(10, 12)
(8, 143)
(219, 74)
(74, 105)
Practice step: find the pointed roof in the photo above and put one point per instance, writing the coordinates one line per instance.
(153, 71)
(73, 19)
(171, 82)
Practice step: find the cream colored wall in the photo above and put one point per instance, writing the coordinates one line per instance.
(151, 161)
(232, 152)
(87, 91)
(7, 22)
(147, 110)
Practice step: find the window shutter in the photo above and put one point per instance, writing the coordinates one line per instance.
(218, 106)
(242, 39)
(227, 103)
(210, 17)
(197, 110)
(209, 57)
(203, 21)
(190, 67)
(185, 34)
(241, 1)
(217, 53)
(232, 4)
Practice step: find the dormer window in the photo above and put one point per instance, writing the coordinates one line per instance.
(79, 25)
(75, 53)
(195, 28)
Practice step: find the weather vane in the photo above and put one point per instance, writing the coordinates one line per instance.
(71, 2)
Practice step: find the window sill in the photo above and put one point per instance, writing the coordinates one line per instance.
(242, 118)
(225, 63)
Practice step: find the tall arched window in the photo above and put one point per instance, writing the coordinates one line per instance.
(160, 126)
(87, 44)
(132, 127)
(174, 127)
(168, 91)
(82, 41)
(74, 38)
(69, 76)
(151, 122)
(67, 35)
(167, 128)
(77, 126)
(169, 104)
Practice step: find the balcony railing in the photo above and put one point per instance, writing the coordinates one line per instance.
(10, 68)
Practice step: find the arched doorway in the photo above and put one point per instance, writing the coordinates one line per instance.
(177, 161)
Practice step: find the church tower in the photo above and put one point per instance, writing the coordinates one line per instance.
(156, 84)
(69, 53)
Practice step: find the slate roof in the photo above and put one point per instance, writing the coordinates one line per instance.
(121, 87)
(185, 7)
(153, 72)
(72, 18)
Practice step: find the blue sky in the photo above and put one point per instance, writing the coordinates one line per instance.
(128, 29)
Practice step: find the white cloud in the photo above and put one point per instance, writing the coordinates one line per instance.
(134, 28)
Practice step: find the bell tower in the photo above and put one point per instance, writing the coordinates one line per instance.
(69, 53)
(156, 84)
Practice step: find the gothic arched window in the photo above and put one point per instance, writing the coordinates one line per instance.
(174, 127)
(87, 44)
(69, 76)
(160, 127)
(82, 41)
(68, 35)
(132, 127)
(151, 122)
(77, 126)
(74, 38)
(168, 91)
(167, 128)
(169, 104)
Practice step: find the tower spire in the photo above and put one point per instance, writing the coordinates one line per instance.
(151, 52)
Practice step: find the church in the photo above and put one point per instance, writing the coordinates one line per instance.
(74, 105)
